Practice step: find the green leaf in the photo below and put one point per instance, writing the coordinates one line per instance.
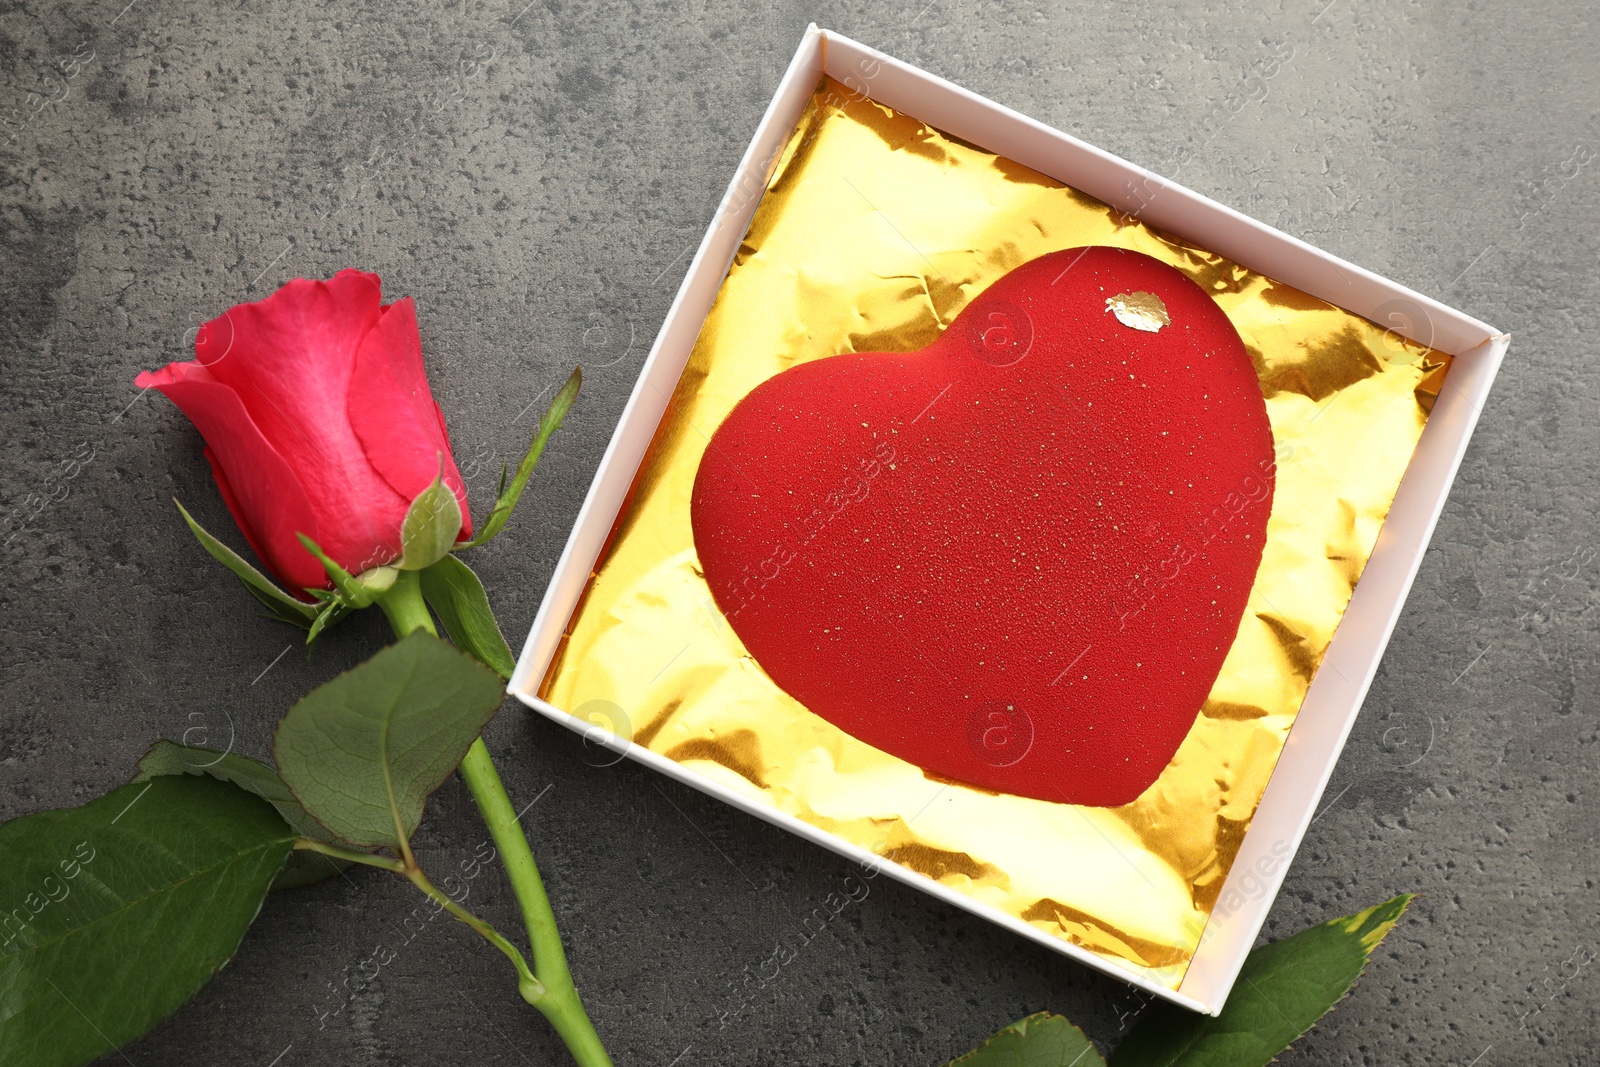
(302, 867)
(431, 526)
(122, 909)
(363, 752)
(508, 497)
(1284, 988)
(282, 605)
(458, 598)
(1041, 1040)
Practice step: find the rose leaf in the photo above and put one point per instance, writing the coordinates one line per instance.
(363, 752)
(123, 908)
(1041, 1040)
(1283, 989)
(303, 867)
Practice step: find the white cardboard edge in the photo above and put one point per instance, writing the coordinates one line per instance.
(869, 861)
(1288, 805)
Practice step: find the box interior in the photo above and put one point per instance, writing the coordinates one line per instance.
(1289, 804)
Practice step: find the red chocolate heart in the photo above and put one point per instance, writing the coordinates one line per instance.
(1018, 557)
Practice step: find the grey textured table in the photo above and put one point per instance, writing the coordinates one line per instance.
(542, 211)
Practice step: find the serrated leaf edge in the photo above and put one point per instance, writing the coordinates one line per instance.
(1405, 905)
(1021, 1027)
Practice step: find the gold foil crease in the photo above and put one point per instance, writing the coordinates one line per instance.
(874, 232)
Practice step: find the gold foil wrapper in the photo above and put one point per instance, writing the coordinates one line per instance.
(874, 232)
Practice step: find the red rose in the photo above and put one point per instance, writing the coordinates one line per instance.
(318, 420)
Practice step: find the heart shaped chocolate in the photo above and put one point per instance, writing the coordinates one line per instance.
(1018, 557)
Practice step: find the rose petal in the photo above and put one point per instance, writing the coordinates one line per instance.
(240, 519)
(393, 412)
(290, 359)
(258, 484)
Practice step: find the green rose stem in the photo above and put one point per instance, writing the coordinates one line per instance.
(408, 868)
(550, 987)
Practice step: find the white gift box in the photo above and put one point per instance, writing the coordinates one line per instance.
(1341, 683)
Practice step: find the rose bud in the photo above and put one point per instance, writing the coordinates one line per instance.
(318, 421)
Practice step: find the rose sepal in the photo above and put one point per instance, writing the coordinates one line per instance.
(352, 591)
(284, 607)
(507, 496)
(456, 595)
(431, 526)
